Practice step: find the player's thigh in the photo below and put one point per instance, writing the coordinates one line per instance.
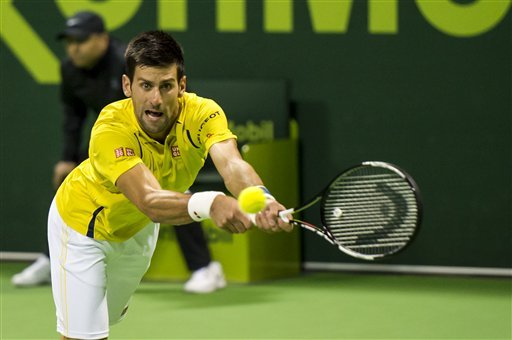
(125, 272)
(78, 281)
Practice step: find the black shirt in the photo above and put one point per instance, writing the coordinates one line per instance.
(89, 89)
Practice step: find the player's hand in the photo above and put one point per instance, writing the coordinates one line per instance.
(268, 219)
(60, 171)
(226, 214)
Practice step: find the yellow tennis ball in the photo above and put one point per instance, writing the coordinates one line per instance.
(252, 200)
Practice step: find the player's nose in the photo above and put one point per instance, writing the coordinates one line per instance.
(156, 98)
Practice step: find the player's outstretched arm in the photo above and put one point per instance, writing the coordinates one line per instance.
(238, 175)
(164, 206)
(141, 187)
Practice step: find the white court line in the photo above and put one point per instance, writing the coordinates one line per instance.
(408, 269)
(18, 256)
(336, 266)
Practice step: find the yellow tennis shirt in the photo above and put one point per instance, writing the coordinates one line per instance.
(88, 200)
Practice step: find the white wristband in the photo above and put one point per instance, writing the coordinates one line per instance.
(200, 203)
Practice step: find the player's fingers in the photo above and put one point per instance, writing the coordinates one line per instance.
(246, 222)
(239, 224)
(232, 228)
(285, 226)
(282, 223)
(267, 221)
(241, 227)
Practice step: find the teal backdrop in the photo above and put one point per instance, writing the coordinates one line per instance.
(424, 84)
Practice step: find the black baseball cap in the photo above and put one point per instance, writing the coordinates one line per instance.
(81, 25)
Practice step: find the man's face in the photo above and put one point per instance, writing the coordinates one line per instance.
(86, 53)
(155, 92)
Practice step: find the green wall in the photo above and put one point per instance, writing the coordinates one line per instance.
(424, 84)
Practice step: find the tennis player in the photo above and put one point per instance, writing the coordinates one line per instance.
(145, 152)
(91, 78)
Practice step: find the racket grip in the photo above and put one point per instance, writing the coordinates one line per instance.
(283, 213)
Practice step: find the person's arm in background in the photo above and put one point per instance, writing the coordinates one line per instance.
(75, 112)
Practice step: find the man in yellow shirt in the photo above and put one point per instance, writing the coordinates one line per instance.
(145, 152)
(91, 78)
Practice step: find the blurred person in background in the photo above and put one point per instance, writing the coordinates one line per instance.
(91, 78)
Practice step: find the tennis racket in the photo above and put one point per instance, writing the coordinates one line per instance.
(369, 211)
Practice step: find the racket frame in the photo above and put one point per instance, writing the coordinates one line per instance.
(324, 230)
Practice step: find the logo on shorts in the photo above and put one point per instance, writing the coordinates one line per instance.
(175, 151)
(119, 152)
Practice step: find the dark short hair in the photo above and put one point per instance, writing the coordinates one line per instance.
(154, 49)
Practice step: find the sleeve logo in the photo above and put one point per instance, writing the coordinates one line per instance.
(120, 152)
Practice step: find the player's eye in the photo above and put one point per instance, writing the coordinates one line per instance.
(166, 87)
(146, 86)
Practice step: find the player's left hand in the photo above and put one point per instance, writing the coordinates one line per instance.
(268, 219)
(226, 214)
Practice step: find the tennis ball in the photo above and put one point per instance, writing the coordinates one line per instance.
(252, 200)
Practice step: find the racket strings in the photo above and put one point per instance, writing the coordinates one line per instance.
(371, 211)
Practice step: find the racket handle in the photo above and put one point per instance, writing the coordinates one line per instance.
(283, 213)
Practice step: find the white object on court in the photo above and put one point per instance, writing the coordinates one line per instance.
(38, 273)
(206, 280)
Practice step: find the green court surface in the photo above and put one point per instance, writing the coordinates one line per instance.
(312, 306)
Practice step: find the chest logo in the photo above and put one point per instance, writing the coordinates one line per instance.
(175, 151)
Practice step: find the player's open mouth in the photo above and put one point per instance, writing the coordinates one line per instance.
(153, 114)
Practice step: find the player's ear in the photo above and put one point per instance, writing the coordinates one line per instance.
(127, 90)
(183, 86)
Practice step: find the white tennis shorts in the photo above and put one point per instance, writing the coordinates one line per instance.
(93, 281)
